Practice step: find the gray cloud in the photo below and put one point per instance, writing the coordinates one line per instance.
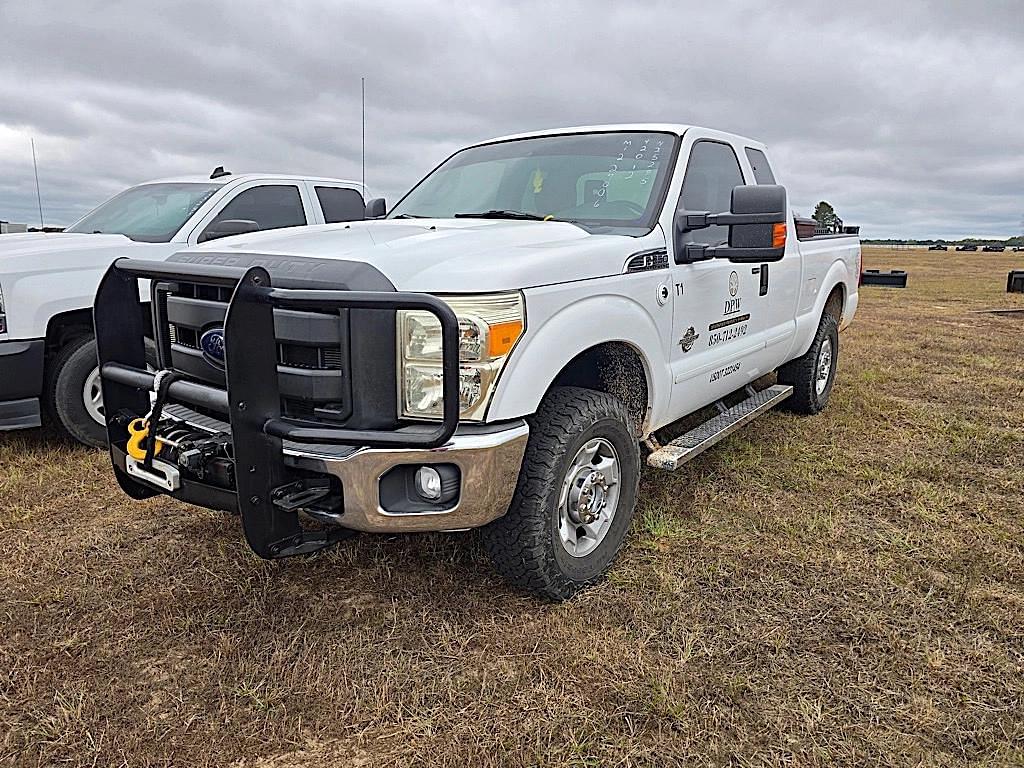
(906, 116)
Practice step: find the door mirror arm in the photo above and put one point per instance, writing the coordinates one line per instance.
(687, 221)
(697, 252)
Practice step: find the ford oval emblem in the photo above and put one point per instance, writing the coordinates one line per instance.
(212, 344)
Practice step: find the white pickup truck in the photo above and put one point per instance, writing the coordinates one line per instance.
(500, 353)
(48, 281)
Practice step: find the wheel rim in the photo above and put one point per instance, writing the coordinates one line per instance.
(92, 396)
(589, 497)
(824, 366)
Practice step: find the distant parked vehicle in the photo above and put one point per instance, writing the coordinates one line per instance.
(967, 248)
(938, 247)
(994, 248)
(1018, 249)
(47, 281)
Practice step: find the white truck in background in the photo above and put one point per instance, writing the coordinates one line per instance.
(500, 353)
(48, 280)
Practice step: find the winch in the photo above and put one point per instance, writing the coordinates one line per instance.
(200, 454)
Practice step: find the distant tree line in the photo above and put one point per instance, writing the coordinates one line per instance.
(1017, 240)
(826, 216)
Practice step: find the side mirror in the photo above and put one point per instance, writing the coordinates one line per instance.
(228, 227)
(376, 208)
(757, 227)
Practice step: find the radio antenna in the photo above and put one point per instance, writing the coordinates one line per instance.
(363, 150)
(39, 197)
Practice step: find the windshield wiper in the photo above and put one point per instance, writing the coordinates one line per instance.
(502, 214)
(408, 216)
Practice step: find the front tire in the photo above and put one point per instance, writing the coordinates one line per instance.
(813, 374)
(75, 397)
(575, 497)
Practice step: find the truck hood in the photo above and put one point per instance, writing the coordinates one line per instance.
(24, 253)
(445, 255)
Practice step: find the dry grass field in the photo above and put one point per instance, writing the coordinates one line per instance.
(841, 590)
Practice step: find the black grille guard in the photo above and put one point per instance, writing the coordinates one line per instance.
(252, 399)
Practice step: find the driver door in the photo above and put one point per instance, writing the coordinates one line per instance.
(720, 311)
(269, 206)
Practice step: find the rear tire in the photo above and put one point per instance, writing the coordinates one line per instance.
(575, 497)
(813, 374)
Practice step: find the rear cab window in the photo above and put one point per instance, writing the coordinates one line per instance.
(341, 204)
(759, 163)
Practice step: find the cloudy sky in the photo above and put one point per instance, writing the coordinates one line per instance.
(907, 115)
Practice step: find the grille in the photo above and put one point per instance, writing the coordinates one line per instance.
(204, 292)
(327, 357)
(312, 350)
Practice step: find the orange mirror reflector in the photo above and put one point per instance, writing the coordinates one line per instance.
(779, 235)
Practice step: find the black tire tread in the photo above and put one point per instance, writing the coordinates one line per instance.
(62, 402)
(59, 405)
(519, 543)
(801, 372)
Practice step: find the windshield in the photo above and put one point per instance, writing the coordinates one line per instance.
(149, 213)
(593, 179)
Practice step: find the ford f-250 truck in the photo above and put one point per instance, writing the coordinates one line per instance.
(48, 280)
(500, 352)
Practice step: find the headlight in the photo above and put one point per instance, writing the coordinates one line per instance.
(488, 328)
(3, 313)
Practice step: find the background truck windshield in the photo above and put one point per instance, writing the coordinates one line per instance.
(612, 179)
(149, 213)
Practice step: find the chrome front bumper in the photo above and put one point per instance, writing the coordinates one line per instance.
(489, 464)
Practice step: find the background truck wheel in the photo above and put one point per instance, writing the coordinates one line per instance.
(73, 391)
(813, 375)
(575, 497)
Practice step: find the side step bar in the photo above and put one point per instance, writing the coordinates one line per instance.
(690, 445)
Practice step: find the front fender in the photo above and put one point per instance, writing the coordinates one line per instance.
(560, 328)
(35, 299)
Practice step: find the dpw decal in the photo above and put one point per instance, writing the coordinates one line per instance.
(689, 339)
(727, 334)
(731, 321)
(732, 306)
(727, 330)
(721, 373)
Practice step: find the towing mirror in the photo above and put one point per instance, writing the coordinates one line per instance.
(757, 227)
(227, 228)
(376, 208)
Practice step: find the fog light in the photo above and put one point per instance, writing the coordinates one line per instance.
(428, 483)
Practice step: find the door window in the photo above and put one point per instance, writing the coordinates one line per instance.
(341, 204)
(272, 207)
(711, 174)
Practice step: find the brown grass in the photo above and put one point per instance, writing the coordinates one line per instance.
(842, 590)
